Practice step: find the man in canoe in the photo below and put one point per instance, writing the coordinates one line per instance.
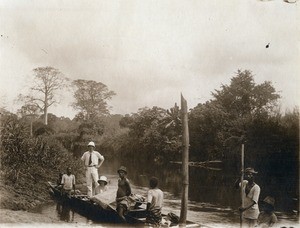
(154, 203)
(251, 193)
(124, 190)
(92, 161)
(267, 217)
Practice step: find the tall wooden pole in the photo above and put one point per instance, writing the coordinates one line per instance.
(242, 179)
(185, 161)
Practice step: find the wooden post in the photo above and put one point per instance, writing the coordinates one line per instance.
(242, 179)
(185, 161)
(31, 134)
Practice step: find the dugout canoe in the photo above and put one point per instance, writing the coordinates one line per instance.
(100, 211)
(103, 211)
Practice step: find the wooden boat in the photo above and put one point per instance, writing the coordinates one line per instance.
(96, 211)
(104, 210)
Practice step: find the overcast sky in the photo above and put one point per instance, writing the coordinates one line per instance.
(149, 51)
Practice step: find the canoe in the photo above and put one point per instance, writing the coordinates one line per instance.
(104, 210)
(100, 212)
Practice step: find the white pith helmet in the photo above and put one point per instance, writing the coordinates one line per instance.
(103, 178)
(91, 144)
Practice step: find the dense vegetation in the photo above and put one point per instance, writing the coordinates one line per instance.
(242, 112)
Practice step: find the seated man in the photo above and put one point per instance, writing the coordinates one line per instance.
(124, 190)
(154, 203)
(267, 217)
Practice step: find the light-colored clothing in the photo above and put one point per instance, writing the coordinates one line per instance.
(68, 181)
(155, 198)
(92, 177)
(266, 219)
(99, 189)
(253, 195)
(91, 174)
(96, 156)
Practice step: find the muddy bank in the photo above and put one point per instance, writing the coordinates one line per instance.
(22, 197)
(22, 217)
(16, 201)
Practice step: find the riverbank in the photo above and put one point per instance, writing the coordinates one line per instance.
(19, 208)
(23, 196)
(23, 217)
(16, 200)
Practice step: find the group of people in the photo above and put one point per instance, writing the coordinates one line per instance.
(93, 160)
(250, 210)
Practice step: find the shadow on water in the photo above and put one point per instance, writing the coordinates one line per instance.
(64, 212)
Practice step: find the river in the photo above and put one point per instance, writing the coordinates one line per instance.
(203, 213)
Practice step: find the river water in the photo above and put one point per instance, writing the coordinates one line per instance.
(203, 213)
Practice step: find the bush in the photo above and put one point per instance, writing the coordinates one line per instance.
(37, 158)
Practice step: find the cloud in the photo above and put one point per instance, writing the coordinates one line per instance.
(150, 51)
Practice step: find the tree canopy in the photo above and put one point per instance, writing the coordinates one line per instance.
(91, 98)
(47, 82)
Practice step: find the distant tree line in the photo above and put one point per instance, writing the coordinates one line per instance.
(242, 112)
(146, 141)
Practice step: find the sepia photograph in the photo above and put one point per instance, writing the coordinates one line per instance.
(149, 113)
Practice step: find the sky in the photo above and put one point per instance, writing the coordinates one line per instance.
(150, 51)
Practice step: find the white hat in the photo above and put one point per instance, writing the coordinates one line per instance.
(91, 144)
(103, 178)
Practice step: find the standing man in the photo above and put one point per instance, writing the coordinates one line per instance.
(68, 182)
(251, 193)
(92, 161)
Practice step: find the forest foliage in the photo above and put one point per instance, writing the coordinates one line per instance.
(242, 112)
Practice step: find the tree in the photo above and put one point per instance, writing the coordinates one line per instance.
(29, 111)
(243, 97)
(48, 81)
(91, 98)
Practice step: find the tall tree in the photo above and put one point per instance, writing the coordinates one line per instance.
(30, 112)
(91, 98)
(243, 96)
(47, 82)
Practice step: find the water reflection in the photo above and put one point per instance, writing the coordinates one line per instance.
(209, 214)
(64, 212)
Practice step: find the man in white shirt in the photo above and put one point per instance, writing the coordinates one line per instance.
(154, 203)
(251, 192)
(92, 161)
(68, 181)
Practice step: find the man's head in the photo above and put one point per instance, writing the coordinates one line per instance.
(91, 146)
(153, 182)
(122, 171)
(249, 173)
(69, 170)
(268, 204)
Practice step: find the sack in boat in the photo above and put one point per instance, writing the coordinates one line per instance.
(137, 198)
(98, 201)
(104, 199)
